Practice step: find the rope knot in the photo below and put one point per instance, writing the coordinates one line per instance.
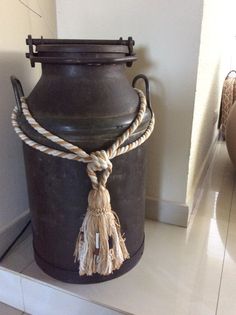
(99, 162)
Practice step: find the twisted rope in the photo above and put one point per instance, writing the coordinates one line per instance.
(96, 161)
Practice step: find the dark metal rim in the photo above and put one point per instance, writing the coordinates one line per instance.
(48, 41)
(82, 61)
(86, 48)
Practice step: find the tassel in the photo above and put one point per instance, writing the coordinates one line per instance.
(100, 247)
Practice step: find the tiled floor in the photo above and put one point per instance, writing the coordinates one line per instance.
(7, 310)
(183, 271)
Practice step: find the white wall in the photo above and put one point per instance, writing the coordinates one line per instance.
(214, 63)
(16, 22)
(167, 35)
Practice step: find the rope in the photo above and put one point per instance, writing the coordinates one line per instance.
(96, 161)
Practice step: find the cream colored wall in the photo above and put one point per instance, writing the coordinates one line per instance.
(167, 35)
(16, 22)
(212, 69)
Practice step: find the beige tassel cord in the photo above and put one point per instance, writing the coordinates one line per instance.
(100, 246)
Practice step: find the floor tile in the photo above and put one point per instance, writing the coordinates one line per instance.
(227, 296)
(8, 310)
(20, 256)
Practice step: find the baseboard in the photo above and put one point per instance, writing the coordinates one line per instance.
(176, 213)
(167, 211)
(9, 233)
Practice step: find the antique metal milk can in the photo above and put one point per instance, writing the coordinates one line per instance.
(84, 97)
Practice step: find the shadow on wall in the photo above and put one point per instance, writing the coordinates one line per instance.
(13, 194)
(154, 145)
(212, 104)
(206, 131)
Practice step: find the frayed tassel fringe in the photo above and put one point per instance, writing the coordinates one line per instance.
(100, 247)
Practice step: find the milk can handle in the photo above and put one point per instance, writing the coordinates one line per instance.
(18, 91)
(147, 88)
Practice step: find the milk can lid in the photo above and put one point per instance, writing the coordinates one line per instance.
(80, 51)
